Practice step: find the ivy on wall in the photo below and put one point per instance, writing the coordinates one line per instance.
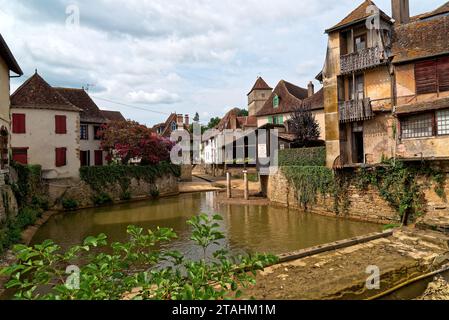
(398, 183)
(103, 176)
(29, 178)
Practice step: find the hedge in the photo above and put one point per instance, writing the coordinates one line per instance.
(101, 176)
(302, 157)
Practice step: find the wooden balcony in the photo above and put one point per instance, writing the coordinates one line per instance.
(365, 59)
(355, 110)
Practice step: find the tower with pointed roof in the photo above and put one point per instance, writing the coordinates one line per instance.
(258, 95)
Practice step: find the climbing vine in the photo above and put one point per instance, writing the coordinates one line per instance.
(99, 177)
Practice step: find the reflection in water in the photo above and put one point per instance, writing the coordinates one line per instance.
(247, 228)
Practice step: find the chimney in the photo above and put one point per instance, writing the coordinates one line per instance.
(187, 120)
(180, 121)
(401, 11)
(311, 88)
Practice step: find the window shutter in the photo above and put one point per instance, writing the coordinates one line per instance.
(20, 155)
(61, 157)
(426, 77)
(18, 123)
(60, 124)
(443, 74)
(98, 157)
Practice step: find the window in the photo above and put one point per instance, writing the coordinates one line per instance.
(432, 76)
(419, 126)
(60, 124)
(360, 43)
(357, 91)
(85, 158)
(84, 132)
(173, 126)
(442, 122)
(98, 157)
(20, 155)
(61, 157)
(276, 101)
(96, 131)
(18, 123)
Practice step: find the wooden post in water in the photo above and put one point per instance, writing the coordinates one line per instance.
(246, 184)
(228, 184)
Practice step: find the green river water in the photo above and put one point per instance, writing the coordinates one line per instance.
(247, 228)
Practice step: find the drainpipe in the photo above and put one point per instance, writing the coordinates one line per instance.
(394, 104)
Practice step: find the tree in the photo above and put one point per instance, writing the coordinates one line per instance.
(304, 126)
(131, 270)
(213, 123)
(196, 118)
(126, 140)
(243, 113)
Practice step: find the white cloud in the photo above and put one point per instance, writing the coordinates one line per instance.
(159, 96)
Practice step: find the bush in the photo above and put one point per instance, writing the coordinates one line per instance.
(10, 235)
(102, 199)
(125, 196)
(40, 203)
(27, 217)
(155, 193)
(69, 204)
(302, 157)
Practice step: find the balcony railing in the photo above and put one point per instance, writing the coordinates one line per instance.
(355, 110)
(365, 59)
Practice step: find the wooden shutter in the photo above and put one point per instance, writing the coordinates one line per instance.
(426, 77)
(20, 155)
(98, 157)
(443, 74)
(60, 124)
(61, 157)
(18, 123)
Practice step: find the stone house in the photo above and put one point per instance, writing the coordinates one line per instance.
(91, 121)
(385, 85)
(421, 65)
(214, 142)
(357, 89)
(174, 122)
(8, 64)
(45, 129)
(112, 115)
(279, 104)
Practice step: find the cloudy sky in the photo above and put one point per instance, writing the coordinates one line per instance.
(148, 58)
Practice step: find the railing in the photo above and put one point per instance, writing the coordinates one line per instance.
(364, 59)
(355, 110)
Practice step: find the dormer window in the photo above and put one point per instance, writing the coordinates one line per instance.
(173, 126)
(276, 101)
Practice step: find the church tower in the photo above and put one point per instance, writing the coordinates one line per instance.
(258, 95)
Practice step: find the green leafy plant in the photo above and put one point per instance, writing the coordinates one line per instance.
(102, 199)
(155, 193)
(130, 270)
(126, 196)
(40, 203)
(69, 204)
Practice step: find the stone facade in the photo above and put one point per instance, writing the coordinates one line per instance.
(81, 192)
(363, 205)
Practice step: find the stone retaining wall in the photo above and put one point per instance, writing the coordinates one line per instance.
(362, 205)
(81, 192)
(8, 204)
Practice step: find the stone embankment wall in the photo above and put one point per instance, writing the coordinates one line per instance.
(8, 204)
(220, 170)
(361, 205)
(83, 194)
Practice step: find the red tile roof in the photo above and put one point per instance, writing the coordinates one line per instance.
(260, 85)
(113, 115)
(421, 38)
(90, 112)
(7, 55)
(36, 93)
(358, 15)
(240, 122)
(290, 97)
